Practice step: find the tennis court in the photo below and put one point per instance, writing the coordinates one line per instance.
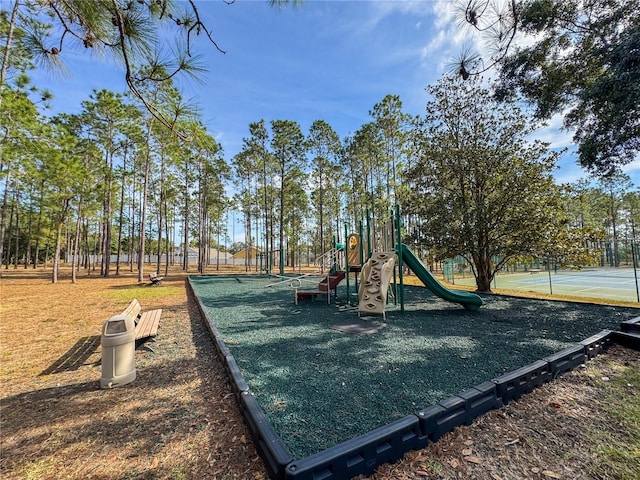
(606, 283)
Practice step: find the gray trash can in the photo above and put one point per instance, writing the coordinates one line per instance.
(118, 351)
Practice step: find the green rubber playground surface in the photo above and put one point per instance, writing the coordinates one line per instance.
(319, 386)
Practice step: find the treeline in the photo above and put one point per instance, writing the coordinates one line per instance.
(137, 176)
(112, 182)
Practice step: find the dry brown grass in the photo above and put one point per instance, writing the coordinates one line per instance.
(178, 419)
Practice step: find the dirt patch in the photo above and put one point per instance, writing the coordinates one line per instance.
(178, 420)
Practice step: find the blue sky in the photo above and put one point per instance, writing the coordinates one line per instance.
(330, 60)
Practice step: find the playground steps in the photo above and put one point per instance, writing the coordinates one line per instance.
(329, 283)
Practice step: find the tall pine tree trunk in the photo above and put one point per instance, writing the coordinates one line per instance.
(143, 207)
(56, 257)
(76, 247)
(121, 216)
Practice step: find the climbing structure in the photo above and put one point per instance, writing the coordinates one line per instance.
(374, 283)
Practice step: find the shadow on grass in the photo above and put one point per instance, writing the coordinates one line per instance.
(124, 423)
(76, 356)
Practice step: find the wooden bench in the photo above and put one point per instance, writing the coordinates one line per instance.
(535, 270)
(147, 323)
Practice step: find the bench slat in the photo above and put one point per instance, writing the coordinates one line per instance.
(148, 324)
(133, 310)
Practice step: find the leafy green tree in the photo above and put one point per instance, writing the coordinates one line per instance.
(21, 130)
(246, 173)
(132, 138)
(582, 204)
(353, 181)
(572, 57)
(393, 127)
(108, 119)
(168, 149)
(8, 33)
(254, 172)
(631, 208)
(296, 211)
(366, 165)
(20, 122)
(88, 200)
(256, 147)
(65, 173)
(129, 32)
(123, 30)
(481, 189)
(212, 202)
(631, 202)
(237, 247)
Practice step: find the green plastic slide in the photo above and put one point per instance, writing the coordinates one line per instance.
(468, 300)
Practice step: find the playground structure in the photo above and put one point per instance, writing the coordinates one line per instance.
(329, 261)
(374, 271)
(378, 281)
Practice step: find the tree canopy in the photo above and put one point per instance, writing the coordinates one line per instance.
(577, 58)
(125, 31)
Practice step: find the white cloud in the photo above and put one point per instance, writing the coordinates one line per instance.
(554, 134)
(633, 170)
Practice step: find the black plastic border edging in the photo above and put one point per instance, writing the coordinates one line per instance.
(566, 360)
(629, 336)
(363, 454)
(627, 339)
(597, 343)
(631, 326)
(512, 385)
(268, 444)
(463, 408)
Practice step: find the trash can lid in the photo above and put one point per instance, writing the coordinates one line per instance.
(117, 325)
